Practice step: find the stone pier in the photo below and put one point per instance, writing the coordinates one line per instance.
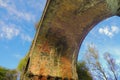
(61, 30)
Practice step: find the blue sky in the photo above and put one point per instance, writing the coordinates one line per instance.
(17, 21)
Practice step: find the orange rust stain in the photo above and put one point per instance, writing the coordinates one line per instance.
(66, 67)
(44, 47)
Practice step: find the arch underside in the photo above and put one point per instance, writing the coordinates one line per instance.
(63, 26)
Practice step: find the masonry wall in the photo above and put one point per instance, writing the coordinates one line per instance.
(64, 25)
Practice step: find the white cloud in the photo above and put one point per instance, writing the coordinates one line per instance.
(116, 50)
(18, 56)
(109, 31)
(115, 29)
(35, 5)
(26, 37)
(13, 11)
(17, 17)
(8, 32)
(118, 61)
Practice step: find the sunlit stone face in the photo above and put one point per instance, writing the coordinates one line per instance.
(65, 25)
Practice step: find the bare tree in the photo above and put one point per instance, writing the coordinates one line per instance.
(111, 64)
(97, 68)
(92, 58)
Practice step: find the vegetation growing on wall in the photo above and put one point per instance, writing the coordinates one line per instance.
(22, 64)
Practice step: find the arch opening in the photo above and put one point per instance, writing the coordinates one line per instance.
(101, 43)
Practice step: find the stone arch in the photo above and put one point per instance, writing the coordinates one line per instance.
(63, 26)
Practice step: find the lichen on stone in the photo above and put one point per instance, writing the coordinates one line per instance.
(113, 5)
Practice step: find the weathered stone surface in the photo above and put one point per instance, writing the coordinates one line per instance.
(64, 25)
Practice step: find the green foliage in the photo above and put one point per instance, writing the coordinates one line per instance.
(22, 64)
(3, 72)
(6, 74)
(82, 71)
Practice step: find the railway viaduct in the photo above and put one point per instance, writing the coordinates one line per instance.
(60, 32)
